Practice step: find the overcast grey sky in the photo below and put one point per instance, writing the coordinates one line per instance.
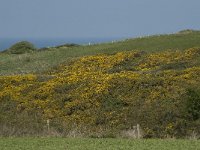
(96, 18)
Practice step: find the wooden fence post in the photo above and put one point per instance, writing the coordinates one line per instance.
(48, 125)
(138, 131)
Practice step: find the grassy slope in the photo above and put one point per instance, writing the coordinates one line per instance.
(97, 144)
(41, 61)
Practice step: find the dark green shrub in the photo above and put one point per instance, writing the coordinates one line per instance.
(193, 103)
(67, 45)
(21, 48)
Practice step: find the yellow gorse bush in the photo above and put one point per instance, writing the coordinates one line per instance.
(78, 91)
(153, 61)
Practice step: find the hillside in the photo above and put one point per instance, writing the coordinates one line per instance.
(41, 61)
(102, 95)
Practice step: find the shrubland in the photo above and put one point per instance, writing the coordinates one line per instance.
(104, 94)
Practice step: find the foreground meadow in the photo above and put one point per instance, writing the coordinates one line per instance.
(96, 144)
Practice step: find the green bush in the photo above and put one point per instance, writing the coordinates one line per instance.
(21, 48)
(193, 103)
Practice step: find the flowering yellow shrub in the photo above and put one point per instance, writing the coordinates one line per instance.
(13, 85)
(153, 61)
(90, 91)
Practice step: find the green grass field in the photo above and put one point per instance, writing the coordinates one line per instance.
(44, 60)
(96, 144)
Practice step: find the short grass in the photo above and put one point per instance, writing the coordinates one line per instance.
(96, 144)
(41, 61)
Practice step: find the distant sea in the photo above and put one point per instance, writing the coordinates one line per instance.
(49, 42)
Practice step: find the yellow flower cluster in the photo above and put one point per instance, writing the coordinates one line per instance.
(153, 61)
